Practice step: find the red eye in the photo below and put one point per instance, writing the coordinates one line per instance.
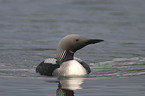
(77, 40)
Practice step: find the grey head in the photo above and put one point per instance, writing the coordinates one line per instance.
(70, 44)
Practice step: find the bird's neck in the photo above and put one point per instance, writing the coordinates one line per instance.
(64, 55)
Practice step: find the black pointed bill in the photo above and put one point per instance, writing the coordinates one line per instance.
(93, 41)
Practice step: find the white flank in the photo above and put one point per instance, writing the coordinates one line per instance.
(50, 60)
(70, 68)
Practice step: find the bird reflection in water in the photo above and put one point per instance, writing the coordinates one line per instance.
(67, 85)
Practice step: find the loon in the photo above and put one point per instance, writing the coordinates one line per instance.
(66, 64)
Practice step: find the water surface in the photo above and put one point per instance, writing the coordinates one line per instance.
(31, 29)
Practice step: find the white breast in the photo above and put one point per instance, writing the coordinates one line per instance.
(70, 68)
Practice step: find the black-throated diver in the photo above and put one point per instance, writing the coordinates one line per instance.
(66, 64)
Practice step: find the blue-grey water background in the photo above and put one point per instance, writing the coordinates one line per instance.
(31, 29)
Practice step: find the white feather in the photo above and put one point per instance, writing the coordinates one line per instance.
(70, 68)
(50, 60)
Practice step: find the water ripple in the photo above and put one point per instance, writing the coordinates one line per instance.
(119, 67)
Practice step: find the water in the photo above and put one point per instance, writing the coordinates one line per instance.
(30, 31)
